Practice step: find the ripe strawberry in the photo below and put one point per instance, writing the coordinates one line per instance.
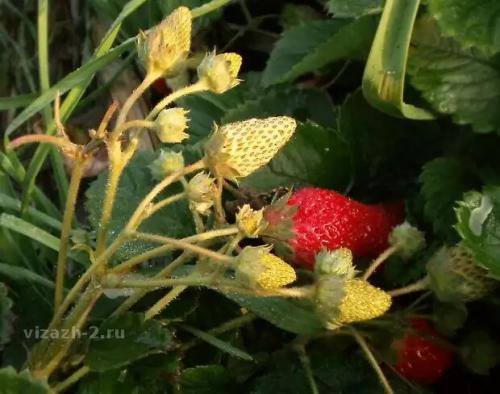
(314, 218)
(420, 359)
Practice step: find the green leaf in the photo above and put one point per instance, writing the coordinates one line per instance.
(444, 180)
(71, 80)
(478, 217)
(314, 156)
(462, 83)
(12, 382)
(9, 203)
(115, 381)
(354, 8)
(470, 22)
(206, 379)
(480, 351)
(289, 315)
(5, 317)
(384, 77)
(316, 44)
(21, 100)
(448, 318)
(306, 104)
(283, 378)
(126, 338)
(387, 152)
(22, 274)
(218, 343)
(174, 220)
(146, 375)
(294, 15)
(21, 226)
(199, 22)
(71, 101)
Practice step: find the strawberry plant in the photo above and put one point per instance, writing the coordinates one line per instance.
(218, 196)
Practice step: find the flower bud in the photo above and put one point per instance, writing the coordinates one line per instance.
(259, 269)
(236, 150)
(335, 262)
(342, 301)
(201, 188)
(220, 72)
(407, 238)
(250, 222)
(167, 163)
(170, 125)
(165, 47)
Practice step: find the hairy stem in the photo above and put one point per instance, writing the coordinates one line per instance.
(127, 265)
(224, 327)
(379, 260)
(164, 273)
(306, 365)
(373, 362)
(159, 283)
(138, 123)
(72, 379)
(44, 138)
(166, 201)
(82, 281)
(422, 284)
(138, 213)
(164, 302)
(114, 175)
(208, 7)
(186, 246)
(50, 360)
(69, 211)
(138, 92)
(191, 89)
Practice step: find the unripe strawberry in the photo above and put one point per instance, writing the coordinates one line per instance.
(456, 277)
(236, 150)
(165, 47)
(313, 219)
(220, 72)
(259, 269)
(341, 301)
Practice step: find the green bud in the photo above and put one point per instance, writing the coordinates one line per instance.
(167, 163)
(171, 125)
(201, 188)
(219, 72)
(408, 239)
(335, 262)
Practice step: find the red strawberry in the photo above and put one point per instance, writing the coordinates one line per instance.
(323, 218)
(420, 358)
